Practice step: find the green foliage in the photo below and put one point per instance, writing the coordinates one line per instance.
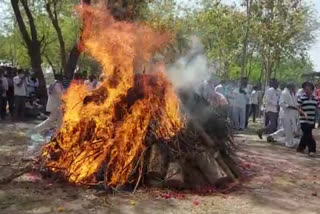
(13, 48)
(282, 31)
(221, 30)
(280, 34)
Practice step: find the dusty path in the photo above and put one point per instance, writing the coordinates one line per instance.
(280, 182)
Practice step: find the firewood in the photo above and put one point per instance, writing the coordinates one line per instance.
(231, 163)
(174, 177)
(224, 166)
(158, 161)
(194, 178)
(210, 168)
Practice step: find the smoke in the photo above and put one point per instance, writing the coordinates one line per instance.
(190, 70)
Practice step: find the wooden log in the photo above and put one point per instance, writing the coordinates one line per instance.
(210, 168)
(174, 177)
(206, 140)
(231, 163)
(152, 182)
(194, 178)
(158, 161)
(224, 166)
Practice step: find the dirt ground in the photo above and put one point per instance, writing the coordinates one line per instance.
(277, 181)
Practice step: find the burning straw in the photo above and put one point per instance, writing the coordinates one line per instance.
(131, 129)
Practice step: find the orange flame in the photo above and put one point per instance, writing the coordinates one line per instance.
(110, 130)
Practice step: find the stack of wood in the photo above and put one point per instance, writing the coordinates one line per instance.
(200, 156)
(197, 156)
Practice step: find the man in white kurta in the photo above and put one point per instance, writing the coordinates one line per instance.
(288, 116)
(55, 92)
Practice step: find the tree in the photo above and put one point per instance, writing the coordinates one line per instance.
(282, 30)
(220, 28)
(52, 10)
(33, 44)
(248, 4)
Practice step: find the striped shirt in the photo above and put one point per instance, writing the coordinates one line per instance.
(309, 106)
(66, 83)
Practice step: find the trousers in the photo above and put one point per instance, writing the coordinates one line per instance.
(307, 139)
(289, 127)
(19, 106)
(254, 111)
(271, 119)
(3, 105)
(239, 117)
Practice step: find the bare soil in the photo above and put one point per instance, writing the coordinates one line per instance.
(276, 181)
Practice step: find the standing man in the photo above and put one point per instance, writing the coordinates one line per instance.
(20, 94)
(3, 94)
(246, 92)
(288, 116)
(254, 102)
(239, 109)
(10, 93)
(317, 92)
(307, 105)
(54, 103)
(271, 109)
(33, 84)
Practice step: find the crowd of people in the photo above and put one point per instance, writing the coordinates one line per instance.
(20, 98)
(238, 101)
(18, 89)
(289, 115)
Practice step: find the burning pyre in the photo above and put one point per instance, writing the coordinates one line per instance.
(131, 129)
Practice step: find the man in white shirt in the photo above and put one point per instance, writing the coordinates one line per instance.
(254, 103)
(55, 92)
(271, 109)
(288, 116)
(3, 94)
(239, 109)
(20, 94)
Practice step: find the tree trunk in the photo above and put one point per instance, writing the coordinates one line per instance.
(75, 53)
(51, 7)
(32, 43)
(245, 40)
(72, 61)
(36, 66)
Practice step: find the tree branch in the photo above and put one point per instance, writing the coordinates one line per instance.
(21, 24)
(51, 8)
(31, 20)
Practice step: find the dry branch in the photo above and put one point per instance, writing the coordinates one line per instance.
(16, 174)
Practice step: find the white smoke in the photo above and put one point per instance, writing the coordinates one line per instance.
(191, 70)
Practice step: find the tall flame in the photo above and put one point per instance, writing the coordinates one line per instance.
(107, 128)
